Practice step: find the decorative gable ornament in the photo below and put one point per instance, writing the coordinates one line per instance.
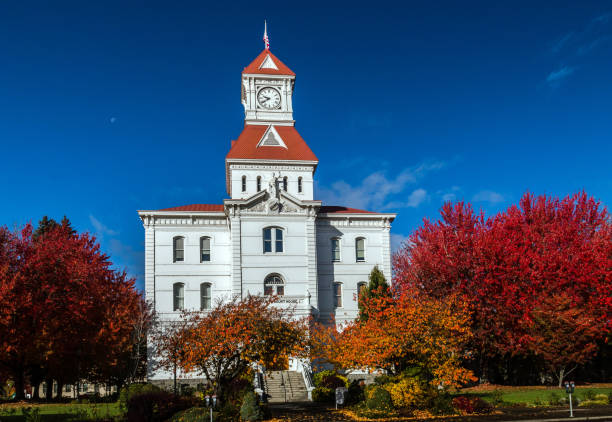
(271, 138)
(268, 63)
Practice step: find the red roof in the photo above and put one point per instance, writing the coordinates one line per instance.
(245, 147)
(255, 65)
(197, 207)
(335, 209)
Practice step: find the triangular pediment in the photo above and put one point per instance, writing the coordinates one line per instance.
(268, 63)
(271, 138)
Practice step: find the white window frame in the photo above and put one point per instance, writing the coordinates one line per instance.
(338, 302)
(178, 297)
(279, 290)
(300, 187)
(258, 183)
(244, 183)
(285, 183)
(274, 239)
(202, 297)
(175, 249)
(333, 258)
(202, 260)
(357, 239)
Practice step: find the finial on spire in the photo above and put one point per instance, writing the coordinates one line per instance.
(265, 37)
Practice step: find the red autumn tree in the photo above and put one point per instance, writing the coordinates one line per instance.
(506, 264)
(402, 332)
(71, 312)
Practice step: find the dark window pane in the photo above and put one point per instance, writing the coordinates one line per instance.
(268, 290)
(280, 290)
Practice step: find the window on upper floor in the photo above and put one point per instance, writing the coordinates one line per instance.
(244, 183)
(258, 183)
(204, 249)
(274, 285)
(178, 249)
(337, 295)
(335, 249)
(272, 239)
(285, 183)
(178, 296)
(300, 184)
(361, 286)
(205, 296)
(360, 249)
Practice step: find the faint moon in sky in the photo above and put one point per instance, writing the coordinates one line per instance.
(113, 119)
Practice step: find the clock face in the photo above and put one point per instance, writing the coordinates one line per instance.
(268, 98)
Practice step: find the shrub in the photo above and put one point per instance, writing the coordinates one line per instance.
(155, 406)
(379, 399)
(250, 409)
(410, 392)
(442, 404)
(330, 379)
(554, 398)
(470, 405)
(355, 393)
(132, 390)
(597, 400)
(323, 395)
(589, 394)
(497, 397)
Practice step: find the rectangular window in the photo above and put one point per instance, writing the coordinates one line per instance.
(360, 249)
(67, 388)
(205, 297)
(268, 290)
(299, 185)
(279, 240)
(244, 183)
(335, 244)
(280, 290)
(205, 249)
(258, 183)
(179, 249)
(179, 299)
(338, 295)
(267, 240)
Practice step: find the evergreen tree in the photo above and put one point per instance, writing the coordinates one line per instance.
(377, 287)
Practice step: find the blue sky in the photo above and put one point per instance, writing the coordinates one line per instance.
(109, 107)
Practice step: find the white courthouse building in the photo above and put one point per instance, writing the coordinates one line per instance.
(271, 236)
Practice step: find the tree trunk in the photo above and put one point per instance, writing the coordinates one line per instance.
(60, 388)
(35, 392)
(174, 377)
(19, 384)
(49, 383)
(560, 376)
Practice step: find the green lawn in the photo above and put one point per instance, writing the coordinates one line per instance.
(60, 412)
(534, 396)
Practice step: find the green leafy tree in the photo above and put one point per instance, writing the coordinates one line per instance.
(376, 287)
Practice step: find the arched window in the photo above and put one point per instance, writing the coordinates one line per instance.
(274, 284)
(205, 296)
(285, 183)
(337, 295)
(360, 249)
(178, 249)
(258, 183)
(300, 184)
(244, 183)
(178, 293)
(204, 249)
(335, 249)
(272, 239)
(361, 286)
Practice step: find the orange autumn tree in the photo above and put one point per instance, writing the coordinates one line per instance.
(224, 343)
(402, 332)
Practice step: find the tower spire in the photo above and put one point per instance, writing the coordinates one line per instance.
(265, 37)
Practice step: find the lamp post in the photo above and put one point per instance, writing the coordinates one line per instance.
(569, 389)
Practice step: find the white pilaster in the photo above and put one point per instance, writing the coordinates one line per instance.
(150, 260)
(235, 236)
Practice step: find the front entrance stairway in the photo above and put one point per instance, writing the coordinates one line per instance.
(285, 387)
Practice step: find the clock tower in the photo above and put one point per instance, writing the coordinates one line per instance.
(267, 88)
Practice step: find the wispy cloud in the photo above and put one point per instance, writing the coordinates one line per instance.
(416, 198)
(488, 196)
(397, 241)
(561, 42)
(101, 229)
(449, 194)
(555, 77)
(377, 190)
